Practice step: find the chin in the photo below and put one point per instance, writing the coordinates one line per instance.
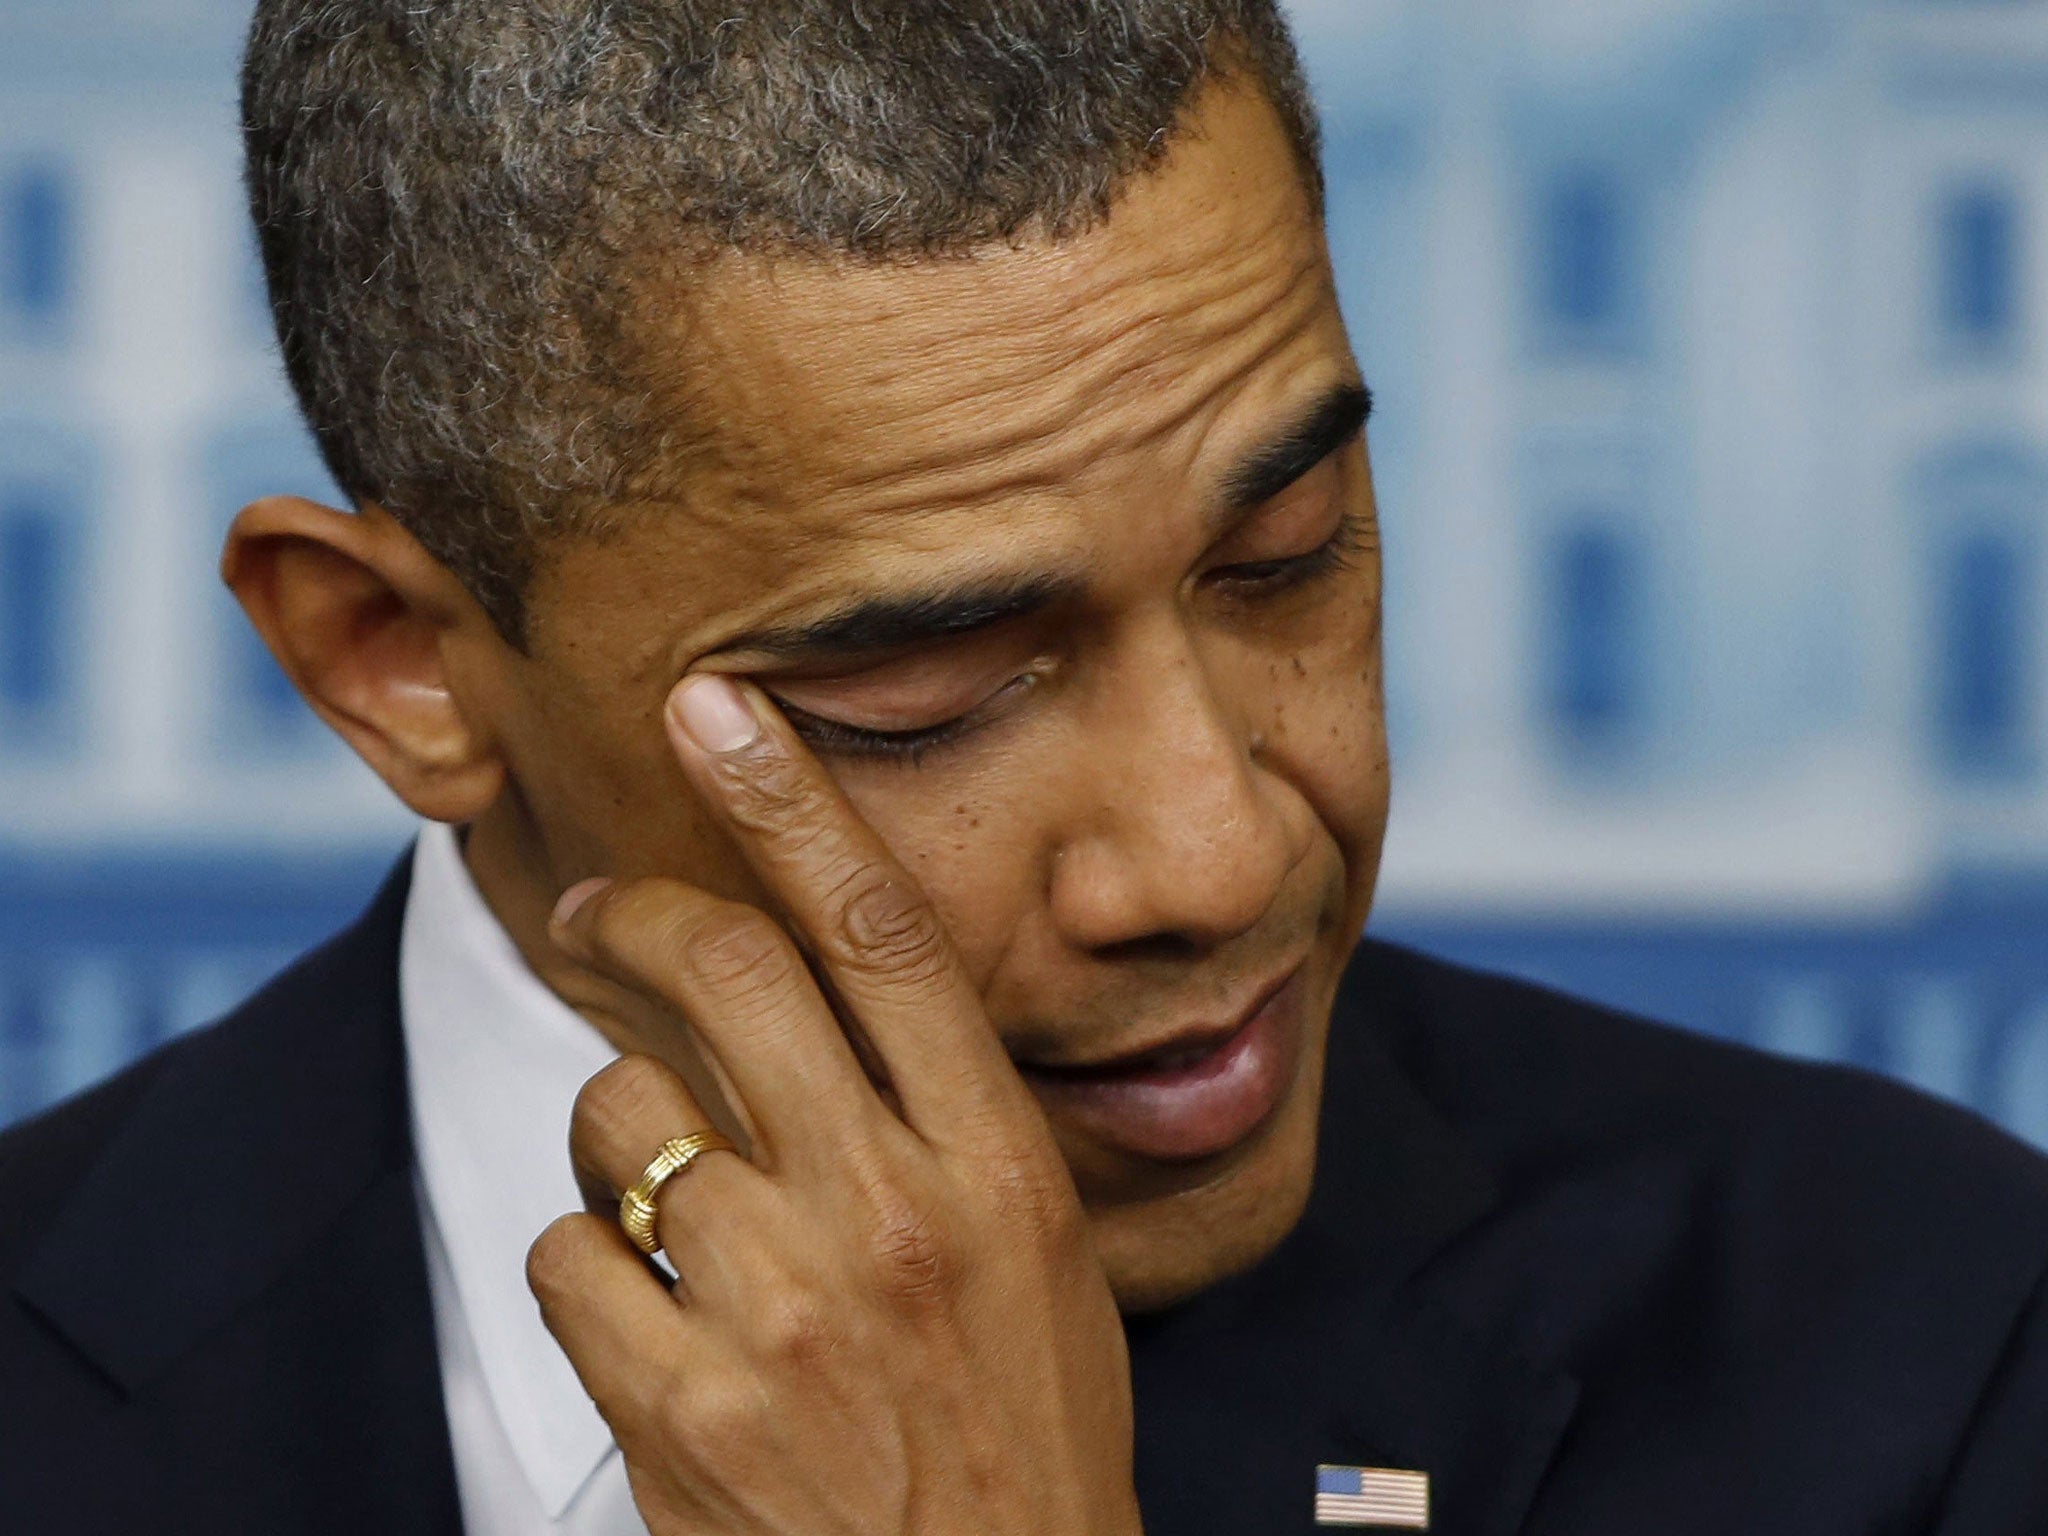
(1158, 1253)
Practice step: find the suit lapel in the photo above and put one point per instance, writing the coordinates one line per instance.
(244, 1261)
(1341, 1348)
(1427, 1394)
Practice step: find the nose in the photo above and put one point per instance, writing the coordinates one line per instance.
(1181, 837)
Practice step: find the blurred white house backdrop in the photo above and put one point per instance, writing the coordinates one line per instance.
(1712, 448)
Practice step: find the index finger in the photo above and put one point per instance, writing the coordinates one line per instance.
(877, 937)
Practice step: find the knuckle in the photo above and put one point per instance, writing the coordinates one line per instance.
(557, 1260)
(769, 793)
(915, 1262)
(738, 950)
(797, 1329)
(629, 920)
(631, 1091)
(892, 927)
(1029, 1201)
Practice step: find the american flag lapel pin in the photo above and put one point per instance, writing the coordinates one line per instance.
(1382, 1498)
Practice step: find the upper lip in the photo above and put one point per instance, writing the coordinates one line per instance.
(1192, 1041)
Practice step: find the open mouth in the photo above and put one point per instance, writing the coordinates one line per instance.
(1176, 1056)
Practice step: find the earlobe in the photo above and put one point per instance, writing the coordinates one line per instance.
(371, 629)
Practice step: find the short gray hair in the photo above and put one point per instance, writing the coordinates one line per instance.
(452, 196)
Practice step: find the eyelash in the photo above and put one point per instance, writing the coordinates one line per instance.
(1351, 537)
(838, 740)
(1264, 578)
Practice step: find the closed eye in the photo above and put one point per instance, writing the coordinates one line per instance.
(835, 738)
(831, 738)
(1352, 536)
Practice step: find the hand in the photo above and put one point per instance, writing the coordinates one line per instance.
(889, 1318)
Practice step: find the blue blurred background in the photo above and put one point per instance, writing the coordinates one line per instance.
(1712, 451)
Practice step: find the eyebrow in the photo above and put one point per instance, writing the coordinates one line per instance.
(901, 622)
(1328, 425)
(917, 618)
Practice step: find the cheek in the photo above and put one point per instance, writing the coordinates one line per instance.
(972, 847)
(1326, 734)
(605, 794)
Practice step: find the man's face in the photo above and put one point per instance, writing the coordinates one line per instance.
(1064, 559)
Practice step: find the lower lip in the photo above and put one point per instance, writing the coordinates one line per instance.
(1193, 1111)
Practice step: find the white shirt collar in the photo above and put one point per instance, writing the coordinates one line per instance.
(494, 1060)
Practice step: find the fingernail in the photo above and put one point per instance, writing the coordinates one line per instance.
(714, 714)
(574, 897)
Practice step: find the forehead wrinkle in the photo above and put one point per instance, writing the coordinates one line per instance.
(1208, 292)
(736, 501)
(883, 537)
(1038, 435)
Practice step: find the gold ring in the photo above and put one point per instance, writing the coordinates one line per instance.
(636, 1206)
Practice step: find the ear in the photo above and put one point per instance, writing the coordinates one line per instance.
(373, 630)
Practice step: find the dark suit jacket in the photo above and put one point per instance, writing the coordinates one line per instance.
(1595, 1277)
